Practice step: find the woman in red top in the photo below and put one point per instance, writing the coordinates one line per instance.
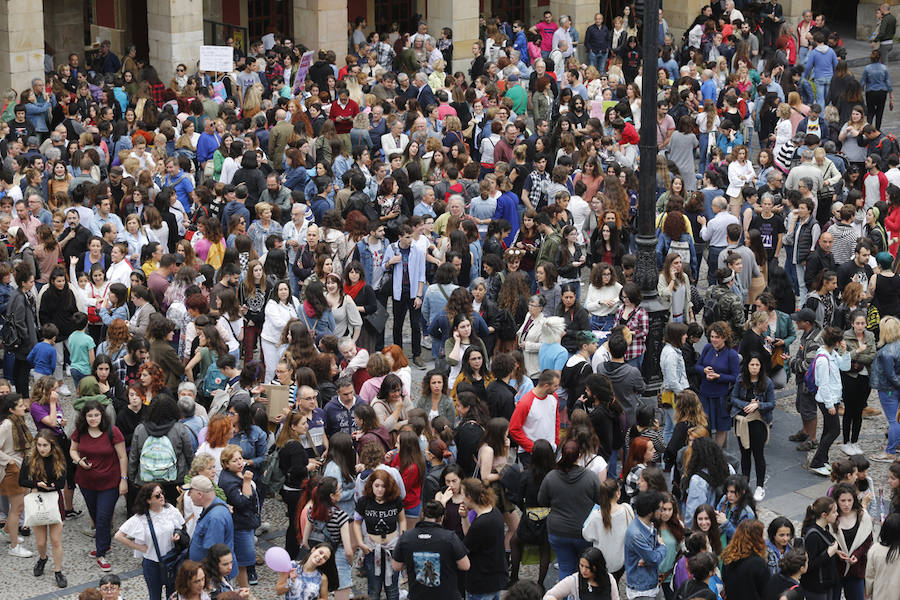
(410, 461)
(98, 449)
(892, 220)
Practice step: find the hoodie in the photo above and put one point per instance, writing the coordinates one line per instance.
(181, 440)
(627, 382)
(571, 496)
(821, 61)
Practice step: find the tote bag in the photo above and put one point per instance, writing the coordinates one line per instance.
(42, 508)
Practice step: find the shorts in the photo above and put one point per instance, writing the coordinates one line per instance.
(343, 568)
(9, 486)
(244, 547)
(717, 413)
(806, 406)
(415, 511)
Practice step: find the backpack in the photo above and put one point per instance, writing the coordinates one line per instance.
(214, 379)
(683, 249)
(810, 377)
(272, 475)
(158, 461)
(432, 484)
(319, 533)
(893, 144)
(506, 325)
(711, 312)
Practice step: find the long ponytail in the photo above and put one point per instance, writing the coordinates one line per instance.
(814, 510)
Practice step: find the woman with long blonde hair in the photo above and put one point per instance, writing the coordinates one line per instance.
(251, 101)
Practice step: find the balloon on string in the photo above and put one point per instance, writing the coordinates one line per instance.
(278, 560)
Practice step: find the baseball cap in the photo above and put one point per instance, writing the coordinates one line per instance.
(804, 314)
(12, 232)
(201, 483)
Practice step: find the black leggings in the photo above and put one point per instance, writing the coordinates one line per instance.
(22, 376)
(758, 436)
(831, 427)
(875, 101)
(856, 392)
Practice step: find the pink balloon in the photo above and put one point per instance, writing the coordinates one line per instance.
(278, 559)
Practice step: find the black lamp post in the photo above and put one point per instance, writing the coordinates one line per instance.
(646, 273)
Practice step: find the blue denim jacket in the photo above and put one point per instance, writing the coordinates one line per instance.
(641, 543)
(885, 371)
(253, 445)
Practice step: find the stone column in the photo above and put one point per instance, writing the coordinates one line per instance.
(321, 25)
(793, 12)
(64, 27)
(21, 43)
(462, 17)
(175, 34)
(680, 15)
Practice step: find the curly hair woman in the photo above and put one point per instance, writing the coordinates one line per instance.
(745, 572)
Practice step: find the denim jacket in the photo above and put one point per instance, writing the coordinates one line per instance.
(886, 368)
(641, 543)
(766, 400)
(367, 261)
(734, 519)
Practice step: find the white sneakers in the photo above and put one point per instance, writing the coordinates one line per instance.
(64, 390)
(824, 471)
(759, 494)
(20, 552)
(851, 448)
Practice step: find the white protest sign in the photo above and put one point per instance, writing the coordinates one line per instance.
(217, 58)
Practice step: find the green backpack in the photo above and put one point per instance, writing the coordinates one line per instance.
(158, 461)
(214, 379)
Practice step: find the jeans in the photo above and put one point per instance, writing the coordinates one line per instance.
(889, 402)
(291, 543)
(9, 359)
(153, 576)
(885, 49)
(801, 56)
(604, 323)
(853, 587)
(801, 282)
(568, 551)
(757, 451)
(100, 505)
(415, 320)
(471, 596)
(376, 581)
(791, 269)
(598, 60)
(712, 263)
(704, 145)
(875, 101)
(669, 426)
(77, 376)
(636, 362)
(822, 86)
(831, 427)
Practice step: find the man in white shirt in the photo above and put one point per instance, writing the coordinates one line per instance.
(715, 234)
(564, 33)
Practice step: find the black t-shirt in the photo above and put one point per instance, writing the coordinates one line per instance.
(485, 543)
(769, 230)
(380, 519)
(430, 553)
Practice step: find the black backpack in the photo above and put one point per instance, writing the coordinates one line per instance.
(711, 312)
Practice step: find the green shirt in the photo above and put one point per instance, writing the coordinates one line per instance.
(519, 97)
(80, 346)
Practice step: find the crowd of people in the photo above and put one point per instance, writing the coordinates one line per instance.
(197, 280)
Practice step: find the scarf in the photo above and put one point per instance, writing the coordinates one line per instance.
(21, 434)
(354, 289)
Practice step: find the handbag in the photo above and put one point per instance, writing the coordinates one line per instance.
(377, 319)
(171, 560)
(533, 525)
(42, 508)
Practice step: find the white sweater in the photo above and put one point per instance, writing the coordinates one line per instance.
(595, 298)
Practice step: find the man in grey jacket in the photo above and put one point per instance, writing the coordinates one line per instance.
(810, 342)
(627, 381)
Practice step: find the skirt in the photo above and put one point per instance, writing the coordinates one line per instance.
(9, 486)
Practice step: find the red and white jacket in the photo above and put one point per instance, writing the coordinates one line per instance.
(535, 419)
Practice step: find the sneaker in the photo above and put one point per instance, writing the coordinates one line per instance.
(64, 390)
(39, 567)
(847, 449)
(759, 494)
(857, 449)
(92, 554)
(73, 514)
(417, 360)
(252, 577)
(823, 471)
(263, 527)
(800, 436)
(88, 531)
(61, 580)
(104, 564)
(19, 552)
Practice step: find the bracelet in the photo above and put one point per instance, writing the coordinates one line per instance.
(123, 478)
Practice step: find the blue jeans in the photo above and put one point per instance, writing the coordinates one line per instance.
(853, 587)
(669, 426)
(604, 323)
(77, 376)
(153, 575)
(822, 86)
(791, 269)
(598, 60)
(568, 551)
(801, 283)
(471, 596)
(712, 263)
(636, 362)
(100, 505)
(9, 360)
(375, 582)
(801, 57)
(889, 402)
(704, 144)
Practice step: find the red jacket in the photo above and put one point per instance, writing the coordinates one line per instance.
(892, 226)
(351, 110)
